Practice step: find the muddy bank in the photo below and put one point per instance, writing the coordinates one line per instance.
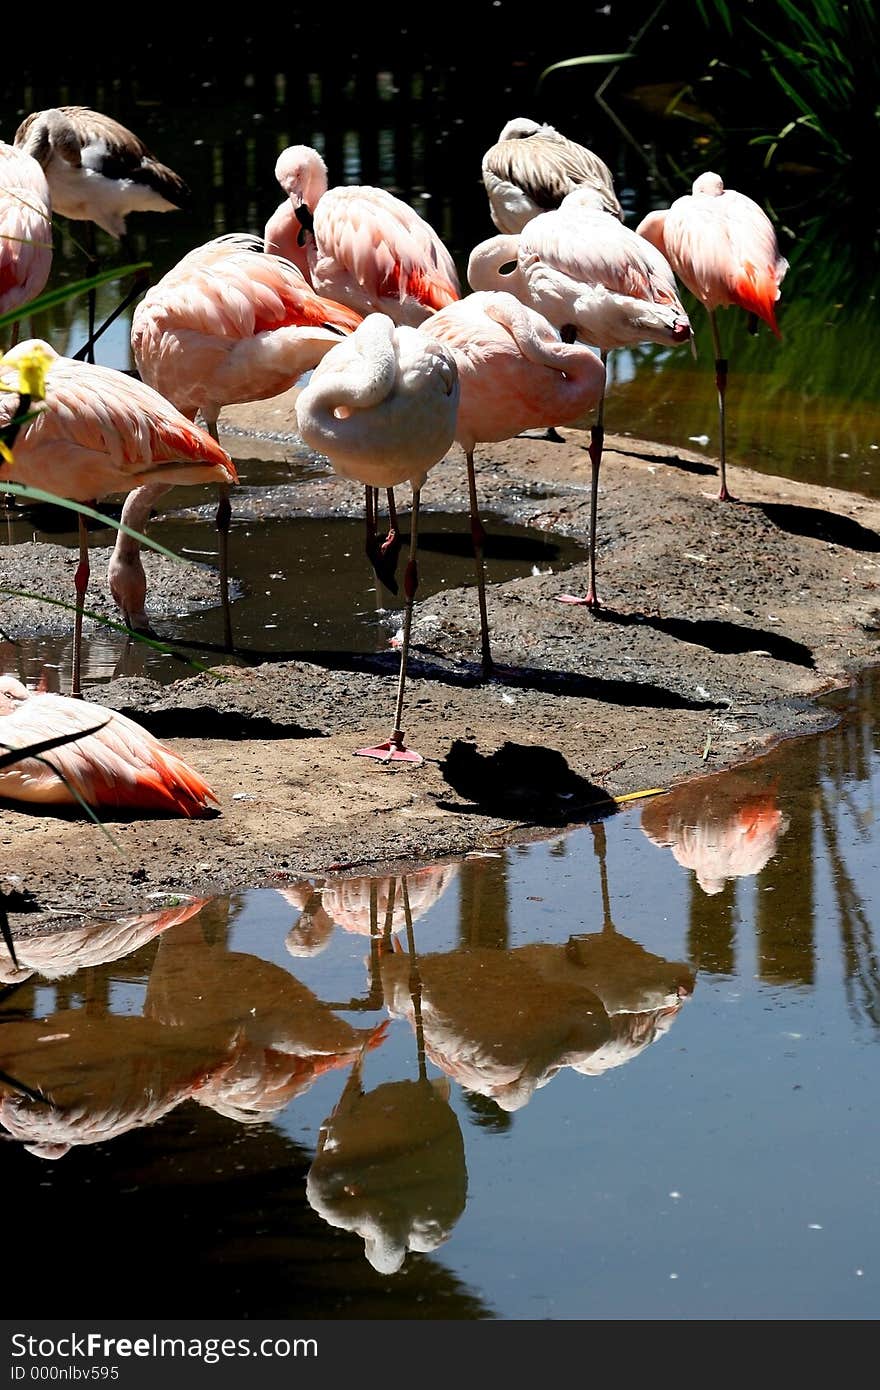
(720, 625)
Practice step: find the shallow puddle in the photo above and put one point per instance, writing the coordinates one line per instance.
(302, 584)
(628, 1071)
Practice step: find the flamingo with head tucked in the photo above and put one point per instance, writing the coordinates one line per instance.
(594, 280)
(382, 407)
(531, 168)
(98, 171)
(723, 247)
(109, 760)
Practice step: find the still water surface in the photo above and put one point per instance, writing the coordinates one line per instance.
(629, 1071)
(625, 1072)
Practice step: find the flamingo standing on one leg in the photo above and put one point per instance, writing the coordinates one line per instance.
(98, 172)
(515, 373)
(723, 247)
(368, 249)
(25, 230)
(111, 761)
(532, 167)
(594, 279)
(227, 324)
(98, 432)
(382, 406)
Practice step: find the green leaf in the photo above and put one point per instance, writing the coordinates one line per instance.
(59, 296)
(117, 627)
(588, 60)
(37, 494)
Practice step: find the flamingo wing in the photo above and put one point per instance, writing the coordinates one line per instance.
(724, 249)
(101, 431)
(369, 240)
(25, 228)
(119, 764)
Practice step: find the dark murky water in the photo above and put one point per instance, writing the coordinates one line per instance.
(627, 1073)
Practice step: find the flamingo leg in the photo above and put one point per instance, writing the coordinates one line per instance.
(382, 557)
(80, 584)
(86, 352)
(390, 547)
(721, 384)
(478, 536)
(394, 749)
(597, 443)
(222, 519)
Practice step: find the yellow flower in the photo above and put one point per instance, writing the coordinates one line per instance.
(32, 369)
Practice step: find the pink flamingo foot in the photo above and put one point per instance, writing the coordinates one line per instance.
(725, 496)
(590, 601)
(393, 750)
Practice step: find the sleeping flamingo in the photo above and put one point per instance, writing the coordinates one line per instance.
(723, 247)
(382, 407)
(595, 280)
(112, 762)
(98, 172)
(531, 168)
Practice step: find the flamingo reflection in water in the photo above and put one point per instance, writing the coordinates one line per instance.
(279, 1037)
(371, 907)
(723, 827)
(85, 1077)
(390, 1166)
(225, 1029)
(57, 955)
(504, 1023)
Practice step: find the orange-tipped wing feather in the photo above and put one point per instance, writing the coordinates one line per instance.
(100, 431)
(120, 764)
(723, 247)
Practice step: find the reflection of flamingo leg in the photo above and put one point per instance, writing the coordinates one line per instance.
(415, 983)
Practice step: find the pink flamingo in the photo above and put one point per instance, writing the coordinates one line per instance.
(98, 172)
(227, 324)
(531, 168)
(370, 250)
(111, 761)
(515, 373)
(99, 432)
(25, 230)
(382, 407)
(723, 247)
(595, 280)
